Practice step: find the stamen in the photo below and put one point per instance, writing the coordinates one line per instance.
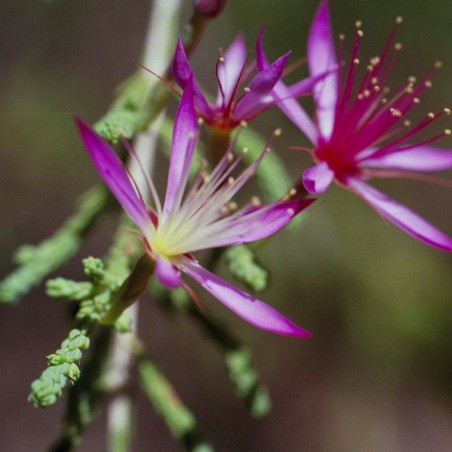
(428, 83)
(231, 180)
(356, 61)
(374, 61)
(447, 111)
(412, 79)
(398, 46)
(255, 201)
(200, 121)
(245, 150)
(246, 89)
(395, 112)
(431, 115)
(277, 132)
(438, 64)
(399, 20)
(341, 37)
(407, 123)
(447, 131)
(416, 100)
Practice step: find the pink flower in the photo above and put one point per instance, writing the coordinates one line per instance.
(198, 217)
(240, 96)
(358, 133)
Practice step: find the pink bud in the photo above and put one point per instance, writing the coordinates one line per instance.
(209, 8)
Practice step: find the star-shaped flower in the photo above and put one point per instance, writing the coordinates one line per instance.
(198, 217)
(359, 133)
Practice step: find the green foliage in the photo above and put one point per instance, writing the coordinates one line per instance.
(62, 366)
(236, 356)
(169, 406)
(37, 262)
(243, 267)
(271, 173)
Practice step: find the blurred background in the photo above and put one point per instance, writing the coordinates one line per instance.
(377, 374)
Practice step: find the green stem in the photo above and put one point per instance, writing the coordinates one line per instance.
(236, 356)
(37, 262)
(168, 405)
(86, 396)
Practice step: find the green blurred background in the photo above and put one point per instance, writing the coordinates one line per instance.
(377, 374)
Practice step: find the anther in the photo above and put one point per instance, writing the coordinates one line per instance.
(374, 61)
(416, 100)
(255, 201)
(245, 150)
(230, 158)
(246, 89)
(431, 115)
(231, 180)
(356, 61)
(412, 79)
(366, 93)
(291, 212)
(232, 205)
(358, 24)
(191, 135)
(341, 37)
(292, 192)
(376, 88)
(243, 123)
(428, 83)
(221, 60)
(395, 112)
(200, 121)
(447, 132)
(438, 64)
(398, 46)
(407, 123)
(360, 33)
(374, 80)
(399, 20)
(277, 132)
(447, 111)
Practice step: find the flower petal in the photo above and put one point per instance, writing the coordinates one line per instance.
(266, 79)
(182, 148)
(182, 73)
(253, 311)
(318, 178)
(284, 97)
(401, 216)
(420, 158)
(253, 224)
(229, 71)
(321, 58)
(167, 274)
(114, 175)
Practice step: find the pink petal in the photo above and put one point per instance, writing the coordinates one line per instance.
(256, 223)
(266, 79)
(182, 73)
(229, 71)
(318, 178)
(167, 274)
(283, 97)
(401, 216)
(182, 148)
(244, 305)
(321, 58)
(113, 173)
(421, 158)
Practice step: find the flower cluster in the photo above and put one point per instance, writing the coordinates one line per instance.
(357, 133)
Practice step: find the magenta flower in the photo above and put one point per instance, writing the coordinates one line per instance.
(240, 96)
(358, 133)
(197, 218)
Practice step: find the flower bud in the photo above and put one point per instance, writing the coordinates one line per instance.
(209, 8)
